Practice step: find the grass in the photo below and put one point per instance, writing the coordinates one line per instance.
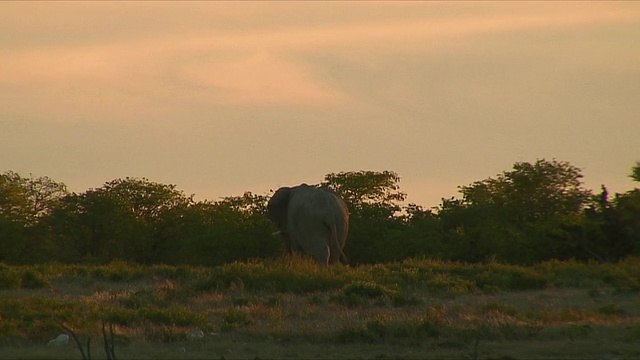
(291, 308)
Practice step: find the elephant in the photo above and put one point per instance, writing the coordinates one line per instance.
(313, 220)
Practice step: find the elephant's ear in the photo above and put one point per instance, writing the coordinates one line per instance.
(278, 206)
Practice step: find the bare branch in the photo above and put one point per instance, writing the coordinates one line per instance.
(75, 339)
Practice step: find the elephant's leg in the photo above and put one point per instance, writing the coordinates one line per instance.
(296, 249)
(316, 246)
(334, 253)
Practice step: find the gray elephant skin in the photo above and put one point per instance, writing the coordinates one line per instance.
(313, 220)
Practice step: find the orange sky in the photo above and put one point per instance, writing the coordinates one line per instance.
(223, 97)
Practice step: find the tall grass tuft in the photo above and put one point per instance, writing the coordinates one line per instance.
(118, 271)
(33, 280)
(286, 275)
(9, 278)
(510, 277)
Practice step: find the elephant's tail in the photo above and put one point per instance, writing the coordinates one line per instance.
(334, 238)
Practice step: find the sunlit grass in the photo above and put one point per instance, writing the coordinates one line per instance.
(449, 306)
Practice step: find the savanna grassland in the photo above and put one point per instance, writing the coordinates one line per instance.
(291, 308)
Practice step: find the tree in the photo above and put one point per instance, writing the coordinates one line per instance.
(419, 235)
(519, 216)
(367, 189)
(610, 230)
(27, 199)
(374, 201)
(125, 219)
(635, 172)
(144, 199)
(231, 229)
(23, 202)
(628, 208)
(532, 192)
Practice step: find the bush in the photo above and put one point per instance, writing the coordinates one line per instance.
(28, 278)
(298, 276)
(348, 300)
(399, 300)
(179, 316)
(118, 271)
(377, 330)
(33, 280)
(355, 294)
(125, 317)
(354, 334)
(367, 290)
(509, 277)
(9, 279)
(242, 301)
(624, 275)
(233, 318)
(611, 309)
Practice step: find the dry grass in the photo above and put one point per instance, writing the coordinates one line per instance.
(404, 310)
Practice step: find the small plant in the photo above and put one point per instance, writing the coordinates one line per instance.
(349, 300)
(428, 328)
(33, 280)
(355, 334)
(611, 309)
(317, 299)
(117, 271)
(581, 329)
(172, 316)
(594, 292)
(399, 300)
(235, 317)
(499, 308)
(509, 277)
(355, 294)
(272, 301)
(132, 302)
(9, 279)
(164, 333)
(366, 290)
(377, 328)
(450, 285)
(124, 317)
(633, 334)
(240, 301)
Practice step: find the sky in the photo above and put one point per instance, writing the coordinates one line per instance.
(220, 98)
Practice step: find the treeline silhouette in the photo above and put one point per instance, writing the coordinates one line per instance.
(534, 212)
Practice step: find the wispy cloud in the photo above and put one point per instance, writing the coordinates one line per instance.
(217, 67)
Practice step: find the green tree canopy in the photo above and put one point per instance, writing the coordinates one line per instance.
(531, 192)
(374, 200)
(520, 215)
(23, 203)
(362, 189)
(230, 229)
(123, 219)
(144, 199)
(635, 172)
(27, 199)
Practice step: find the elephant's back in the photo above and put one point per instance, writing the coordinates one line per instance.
(320, 204)
(312, 200)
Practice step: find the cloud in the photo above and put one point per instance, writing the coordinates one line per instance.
(258, 79)
(200, 61)
(119, 78)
